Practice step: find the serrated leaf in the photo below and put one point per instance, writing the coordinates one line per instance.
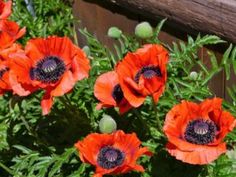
(210, 76)
(233, 59)
(158, 28)
(214, 62)
(226, 55)
(209, 39)
(231, 93)
(3, 136)
(203, 67)
(80, 171)
(227, 71)
(190, 40)
(23, 149)
(182, 46)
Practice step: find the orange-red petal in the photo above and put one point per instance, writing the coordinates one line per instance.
(46, 103)
(129, 144)
(65, 85)
(104, 86)
(199, 156)
(134, 85)
(5, 9)
(10, 32)
(27, 69)
(103, 91)
(80, 65)
(179, 117)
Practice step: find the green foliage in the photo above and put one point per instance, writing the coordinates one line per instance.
(232, 94)
(43, 19)
(3, 136)
(31, 163)
(222, 167)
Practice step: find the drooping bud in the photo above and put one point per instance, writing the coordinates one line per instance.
(107, 124)
(144, 30)
(114, 32)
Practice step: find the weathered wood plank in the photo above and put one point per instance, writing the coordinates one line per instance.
(209, 16)
(98, 20)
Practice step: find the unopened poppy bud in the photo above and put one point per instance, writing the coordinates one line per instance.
(193, 75)
(144, 30)
(107, 124)
(86, 49)
(114, 32)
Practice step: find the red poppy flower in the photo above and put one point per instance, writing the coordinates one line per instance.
(196, 131)
(4, 77)
(53, 64)
(5, 9)
(9, 33)
(107, 90)
(112, 153)
(4, 68)
(143, 73)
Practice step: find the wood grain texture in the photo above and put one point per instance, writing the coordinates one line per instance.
(98, 20)
(209, 16)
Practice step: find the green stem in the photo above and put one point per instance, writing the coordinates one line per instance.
(33, 133)
(26, 125)
(72, 109)
(159, 126)
(141, 119)
(6, 169)
(75, 36)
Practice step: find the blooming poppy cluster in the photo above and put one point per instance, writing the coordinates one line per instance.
(140, 74)
(195, 135)
(195, 132)
(53, 64)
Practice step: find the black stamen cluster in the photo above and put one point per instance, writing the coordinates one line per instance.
(148, 72)
(194, 137)
(117, 93)
(48, 70)
(3, 71)
(112, 162)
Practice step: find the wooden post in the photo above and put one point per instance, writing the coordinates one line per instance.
(209, 16)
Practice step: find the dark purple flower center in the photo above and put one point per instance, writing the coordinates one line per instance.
(48, 70)
(200, 131)
(110, 157)
(117, 93)
(3, 71)
(148, 72)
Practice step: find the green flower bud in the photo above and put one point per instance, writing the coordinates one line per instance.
(107, 124)
(193, 75)
(114, 32)
(86, 49)
(144, 30)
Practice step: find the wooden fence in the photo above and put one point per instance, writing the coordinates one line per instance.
(98, 16)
